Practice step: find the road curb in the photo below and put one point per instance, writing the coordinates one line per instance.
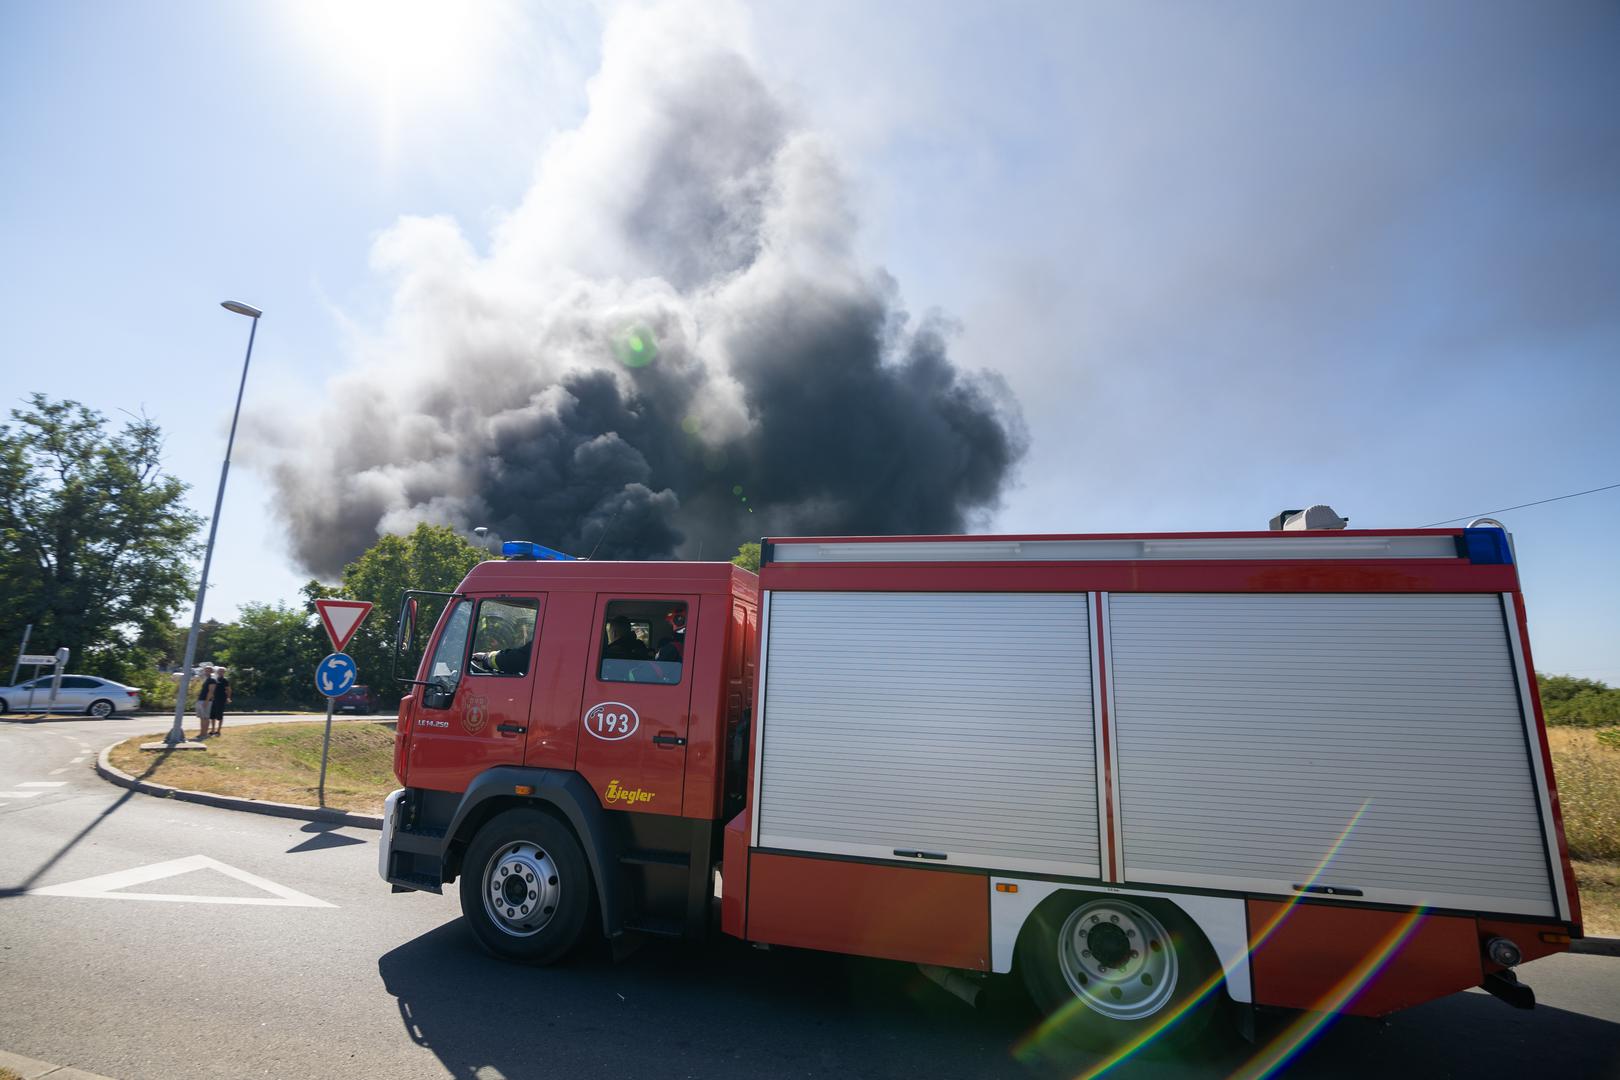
(113, 774)
(1596, 946)
(33, 1069)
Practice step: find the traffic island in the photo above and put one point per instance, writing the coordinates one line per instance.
(189, 744)
(269, 769)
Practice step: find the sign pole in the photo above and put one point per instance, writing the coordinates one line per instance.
(28, 632)
(326, 744)
(341, 618)
(56, 678)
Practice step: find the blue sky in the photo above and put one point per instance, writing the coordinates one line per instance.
(1227, 260)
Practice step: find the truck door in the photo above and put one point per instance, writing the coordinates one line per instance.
(638, 690)
(474, 714)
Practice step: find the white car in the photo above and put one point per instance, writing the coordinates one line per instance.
(77, 694)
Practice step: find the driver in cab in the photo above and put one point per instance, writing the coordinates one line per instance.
(513, 661)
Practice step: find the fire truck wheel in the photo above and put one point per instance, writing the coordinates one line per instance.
(1109, 971)
(525, 889)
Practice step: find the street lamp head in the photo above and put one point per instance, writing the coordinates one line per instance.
(241, 308)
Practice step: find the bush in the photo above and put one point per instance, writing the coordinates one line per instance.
(158, 688)
(1570, 702)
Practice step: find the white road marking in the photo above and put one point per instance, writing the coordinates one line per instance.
(19, 794)
(58, 772)
(77, 761)
(44, 783)
(103, 886)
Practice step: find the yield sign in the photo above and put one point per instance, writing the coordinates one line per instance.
(341, 619)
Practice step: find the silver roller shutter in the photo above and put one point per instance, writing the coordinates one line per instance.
(955, 723)
(1253, 729)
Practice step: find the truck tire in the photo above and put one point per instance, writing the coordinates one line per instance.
(525, 888)
(1111, 970)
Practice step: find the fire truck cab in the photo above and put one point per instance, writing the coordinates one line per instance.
(1297, 769)
(605, 704)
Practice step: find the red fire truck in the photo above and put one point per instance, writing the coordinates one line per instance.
(1294, 769)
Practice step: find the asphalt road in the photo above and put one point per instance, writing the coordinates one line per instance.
(336, 977)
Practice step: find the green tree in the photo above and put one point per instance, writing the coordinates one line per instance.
(271, 652)
(747, 557)
(432, 557)
(95, 543)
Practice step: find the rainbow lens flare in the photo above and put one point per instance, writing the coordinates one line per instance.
(1282, 1049)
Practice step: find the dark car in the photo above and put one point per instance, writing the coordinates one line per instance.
(358, 699)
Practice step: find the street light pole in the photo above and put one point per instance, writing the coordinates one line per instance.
(177, 734)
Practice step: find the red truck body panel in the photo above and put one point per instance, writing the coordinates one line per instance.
(669, 750)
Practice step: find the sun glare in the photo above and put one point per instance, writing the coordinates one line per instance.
(405, 54)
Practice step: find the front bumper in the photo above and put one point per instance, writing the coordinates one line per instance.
(390, 818)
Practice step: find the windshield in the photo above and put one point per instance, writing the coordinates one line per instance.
(445, 667)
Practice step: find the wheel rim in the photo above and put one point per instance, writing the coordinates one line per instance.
(521, 889)
(1118, 959)
(101, 708)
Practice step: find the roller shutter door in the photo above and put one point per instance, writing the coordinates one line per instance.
(1377, 736)
(952, 723)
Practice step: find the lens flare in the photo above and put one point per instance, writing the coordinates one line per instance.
(1293, 1039)
(1167, 1022)
(636, 347)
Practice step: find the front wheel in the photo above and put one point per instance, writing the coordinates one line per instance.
(101, 709)
(1109, 971)
(525, 888)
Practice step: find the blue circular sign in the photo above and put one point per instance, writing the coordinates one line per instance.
(336, 674)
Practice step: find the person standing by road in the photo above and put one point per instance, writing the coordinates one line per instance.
(221, 698)
(205, 705)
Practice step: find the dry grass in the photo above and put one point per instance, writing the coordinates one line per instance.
(1599, 883)
(1589, 790)
(1588, 771)
(7, 1074)
(277, 763)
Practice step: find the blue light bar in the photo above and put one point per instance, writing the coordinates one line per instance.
(1486, 546)
(528, 549)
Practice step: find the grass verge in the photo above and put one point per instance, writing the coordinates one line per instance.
(277, 763)
(1588, 772)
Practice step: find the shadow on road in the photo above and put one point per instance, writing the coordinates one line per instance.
(326, 836)
(722, 1009)
(158, 758)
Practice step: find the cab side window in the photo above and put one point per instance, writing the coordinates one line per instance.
(503, 641)
(643, 641)
(444, 670)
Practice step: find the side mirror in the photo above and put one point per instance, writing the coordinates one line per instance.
(406, 639)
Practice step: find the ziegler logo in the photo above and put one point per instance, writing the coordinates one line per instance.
(611, 721)
(476, 715)
(617, 794)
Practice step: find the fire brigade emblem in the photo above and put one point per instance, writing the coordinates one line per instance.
(476, 715)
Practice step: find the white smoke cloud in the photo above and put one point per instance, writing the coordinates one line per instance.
(670, 344)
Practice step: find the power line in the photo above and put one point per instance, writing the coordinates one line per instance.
(1521, 506)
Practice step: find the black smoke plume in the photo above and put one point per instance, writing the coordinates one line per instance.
(670, 348)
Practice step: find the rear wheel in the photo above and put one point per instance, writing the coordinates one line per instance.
(525, 887)
(101, 708)
(1110, 970)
